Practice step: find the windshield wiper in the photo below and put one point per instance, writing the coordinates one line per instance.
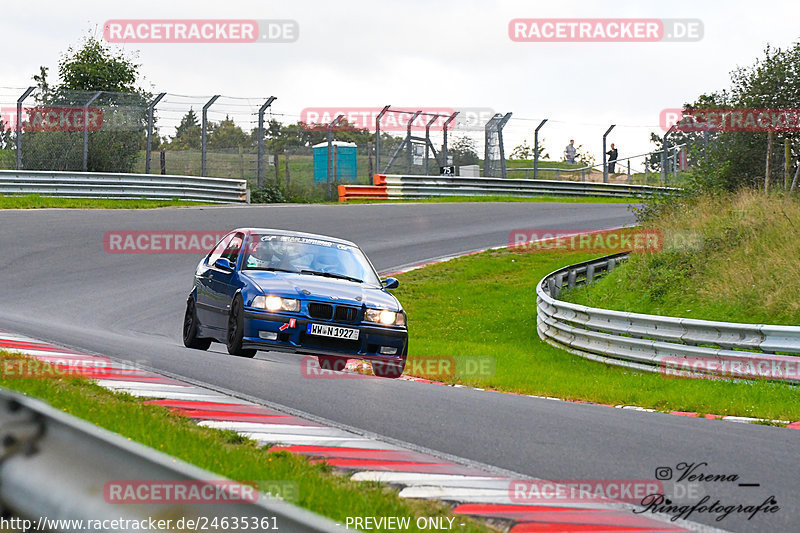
(331, 275)
(272, 269)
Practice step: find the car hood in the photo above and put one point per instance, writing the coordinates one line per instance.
(312, 287)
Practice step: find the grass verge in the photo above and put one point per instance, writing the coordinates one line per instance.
(485, 305)
(318, 487)
(35, 201)
(733, 258)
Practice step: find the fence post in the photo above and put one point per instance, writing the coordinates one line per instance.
(410, 145)
(378, 137)
(203, 134)
(536, 150)
(428, 139)
(86, 130)
(286, 161)
(605, 162)
(629, 171)
(163, 159)
(369, 163)
(150, 110)
(444, 140)
(260, 155)
(21, 99)
(332, 125)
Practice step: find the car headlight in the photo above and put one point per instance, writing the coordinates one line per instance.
(276, 303)
(385, 317)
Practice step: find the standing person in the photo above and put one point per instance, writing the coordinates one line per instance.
(570, 152)
(612, 158)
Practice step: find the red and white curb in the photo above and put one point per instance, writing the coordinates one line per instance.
(471, 490)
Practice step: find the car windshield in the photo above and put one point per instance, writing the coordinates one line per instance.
(308, 255)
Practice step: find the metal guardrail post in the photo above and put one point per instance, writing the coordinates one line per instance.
(605, 159)
(260, 161)
(150, 111)
(536, 150)
(86, 129)
(21, 99)
(204, 134)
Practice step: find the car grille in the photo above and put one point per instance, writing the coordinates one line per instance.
(340, 313)
(317, 310)
(345, 314)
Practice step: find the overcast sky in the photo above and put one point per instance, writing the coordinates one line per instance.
(454, 53)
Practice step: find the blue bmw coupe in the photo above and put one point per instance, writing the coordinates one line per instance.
(265, 289)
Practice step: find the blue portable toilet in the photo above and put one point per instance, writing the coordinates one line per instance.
(344, 164)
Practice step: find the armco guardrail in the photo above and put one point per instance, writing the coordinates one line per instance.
(57, 466)
(661, 343)
(396, 186)
(122, 186)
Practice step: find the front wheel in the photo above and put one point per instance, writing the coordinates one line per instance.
(236, 330)
(190, 338)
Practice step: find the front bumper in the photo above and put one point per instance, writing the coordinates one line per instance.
(371, 338)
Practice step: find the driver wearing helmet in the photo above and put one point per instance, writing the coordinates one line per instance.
(266, 254)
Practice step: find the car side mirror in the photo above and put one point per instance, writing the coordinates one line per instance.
(390, 283)
(223, 264)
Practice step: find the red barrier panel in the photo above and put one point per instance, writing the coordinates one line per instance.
(362, 192)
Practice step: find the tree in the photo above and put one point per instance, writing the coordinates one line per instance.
(226, 135)
(524, 151)
(83, 72)
(464, 151)
(187, 134)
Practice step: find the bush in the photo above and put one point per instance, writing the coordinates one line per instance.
(269, 194)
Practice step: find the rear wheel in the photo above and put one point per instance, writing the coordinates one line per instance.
(236, 330)
(390, 369)
(190, 338)
(332, 362)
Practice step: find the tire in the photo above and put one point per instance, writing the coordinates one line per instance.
(190, 338)
(391, 370)
(332, 362)
(236, 330)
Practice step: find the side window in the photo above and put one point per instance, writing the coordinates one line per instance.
(234, 247)
(218, 250)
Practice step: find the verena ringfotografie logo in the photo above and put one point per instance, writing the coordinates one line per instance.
(580, 240)
(539, 491)
(200, 31)
(396, 119)
(47, 118)
(604, 30)
(161, 242)
(718, 120)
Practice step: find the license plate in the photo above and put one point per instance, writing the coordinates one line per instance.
(337, 332)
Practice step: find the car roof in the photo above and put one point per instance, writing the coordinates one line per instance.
(295, 234)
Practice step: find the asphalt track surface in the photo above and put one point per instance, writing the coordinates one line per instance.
(59, 285)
